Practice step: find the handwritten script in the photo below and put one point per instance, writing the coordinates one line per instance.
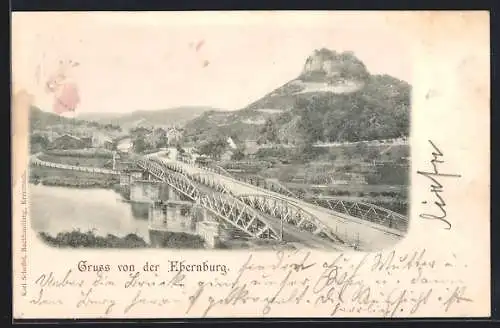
(436, 186)
(388, 284)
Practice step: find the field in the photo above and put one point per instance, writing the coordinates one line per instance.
(101, 162)
(66, 178)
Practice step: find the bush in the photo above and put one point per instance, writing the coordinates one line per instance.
(77, 239)
(238, 155)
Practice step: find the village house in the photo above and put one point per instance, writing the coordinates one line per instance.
(174, 135)
(67, 141)
(251, 148)
(124, 145)
(49, 134)
(101, 140)
(231, 143)
(299, 177)
(227, 155)
(87, 141)
(157, 138)
(339, 178)
(356, 178)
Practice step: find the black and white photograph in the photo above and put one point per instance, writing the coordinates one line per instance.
(250, 164)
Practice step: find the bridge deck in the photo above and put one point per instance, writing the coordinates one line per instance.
(290, 233)
(366, 234)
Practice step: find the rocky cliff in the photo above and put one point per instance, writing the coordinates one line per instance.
(334, 98)
(325, 65)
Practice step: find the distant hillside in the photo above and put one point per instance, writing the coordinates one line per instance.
(41, 120)
(171, 116)
(334, 98)
(45, 121)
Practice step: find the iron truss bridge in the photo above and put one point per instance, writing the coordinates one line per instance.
(274, 206)
(224, 206)
(254, 179)
(362, 210)
(227, 198)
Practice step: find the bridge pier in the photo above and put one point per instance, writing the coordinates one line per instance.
(169, 216)
(184, 216)
(144, 191)
(172, 194)
(207, 227)
(127, 178)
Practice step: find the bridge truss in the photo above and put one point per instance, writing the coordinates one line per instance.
(224, 206)
(290, 213)
(268, 184)
(284, 209)
(274, 206)
(365, 211)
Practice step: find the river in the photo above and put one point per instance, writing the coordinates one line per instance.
(60, 209)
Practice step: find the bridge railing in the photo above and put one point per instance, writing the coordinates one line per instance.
(257, 181)
(268, 184)
(366, 211)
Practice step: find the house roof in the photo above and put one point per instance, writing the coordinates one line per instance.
(102, 137)
(173, 131)
(70, 136)
(251, 148)
(231, 143)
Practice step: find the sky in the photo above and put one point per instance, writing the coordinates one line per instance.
(149, 60)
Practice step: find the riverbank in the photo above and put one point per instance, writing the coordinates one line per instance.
(85, 161)
(76, 183)
(177, 240)
(65, 178)
(79, 239)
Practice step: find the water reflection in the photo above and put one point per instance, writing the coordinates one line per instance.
(61, 209)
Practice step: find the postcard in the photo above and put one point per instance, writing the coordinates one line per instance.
(315, 164)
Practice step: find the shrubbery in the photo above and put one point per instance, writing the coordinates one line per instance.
(182, 240)
(77, 239)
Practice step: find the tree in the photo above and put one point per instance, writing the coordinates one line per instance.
(140, 145)
(238, 155)
(180, 149)
(40, 140)
(214, 148)
(162, 142)
(269, 131)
